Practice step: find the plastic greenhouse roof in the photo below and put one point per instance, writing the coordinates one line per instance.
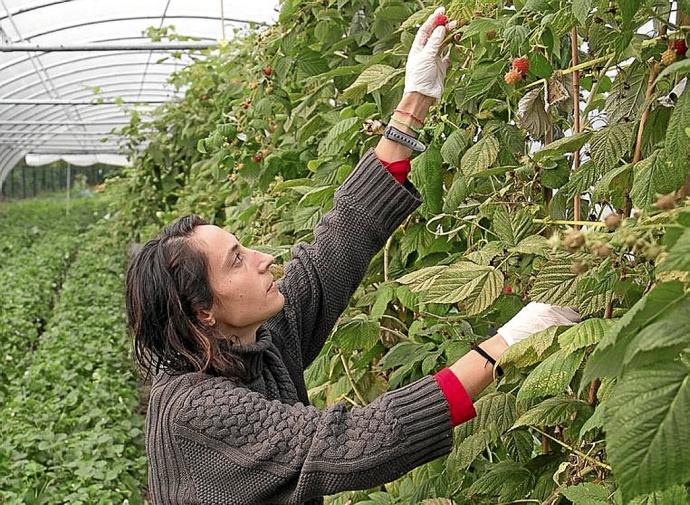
(47, 101)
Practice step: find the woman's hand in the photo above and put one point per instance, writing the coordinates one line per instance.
(426, 70)
(535, 317)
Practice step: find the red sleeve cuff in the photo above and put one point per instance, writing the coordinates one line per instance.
(460, 403)
(398, 169)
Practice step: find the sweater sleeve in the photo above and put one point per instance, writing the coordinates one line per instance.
(239, 447)
(322, 276)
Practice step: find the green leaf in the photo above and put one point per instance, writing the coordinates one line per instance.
(356, 334)
(334, 141)
(561, 146)
(534, 244)
(480, 156)
(681, 67)
(584, 334)
(610, 144)
(677, 142)
(653, 176)
(478, 286)
(511, 229)
(404, 353)
(427, 176)
(422, 279)
(607, 359)
(678, 255)
(554, 411)
(581, 10)
(624, 102)
(530, 350)
(371, 79)
(496, 411)
(532, 115)
(540, 66)
(613, 182)
(507, 480)
(587, 493)
(457, 193)
(647, 427)
(552, 376)
(555, 283)
(454, 146)
(629, 8)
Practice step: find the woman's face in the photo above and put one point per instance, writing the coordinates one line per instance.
(245, 294)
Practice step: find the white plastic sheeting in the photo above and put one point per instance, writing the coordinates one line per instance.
(134, 76)
(82, 160)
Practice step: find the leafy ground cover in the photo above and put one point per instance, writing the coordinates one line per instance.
(69, 432)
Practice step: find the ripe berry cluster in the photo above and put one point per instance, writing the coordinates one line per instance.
(676, 48)
(519, 70)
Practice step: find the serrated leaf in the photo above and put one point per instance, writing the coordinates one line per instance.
(607, 359)
(584, 334)
(677, 142)
(654, 176)
(625, 100)
(552, 376)
(371, 79)
(404, 353)
(466, 451)
(427, 176)
(457, 193)
(532, 115)
(676, 495)
(534, 244)
(614, 181)
(495, 411)
(416, 239)
(610, 144)
(555, 283)
(511, 229)
(678, 255)
(647, 425)
(480, 156)
(681, 67)
(334, 140)
(356, 334)
(486, 254)
(478, 286)
(559, 147)
(595, 421)
(596, 291)
(587, 493)
(507, 480)
(422, 279)
(530, 350)
(581, 10)
(629, 8)
(554, 411)
(454, 146)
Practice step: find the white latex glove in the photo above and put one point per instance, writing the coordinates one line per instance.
(426, 70)
(535, 317)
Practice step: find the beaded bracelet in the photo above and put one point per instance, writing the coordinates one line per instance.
(403, 123)
(409, 114)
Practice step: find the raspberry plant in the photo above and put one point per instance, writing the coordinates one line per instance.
(569, 188)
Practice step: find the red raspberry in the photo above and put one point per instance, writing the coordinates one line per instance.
(268, 71)
(507, 289)
(257, 158)
(521, 65)
(245, 104)
(440, 19)
(668, 57)
(513, 77)
(680, 47)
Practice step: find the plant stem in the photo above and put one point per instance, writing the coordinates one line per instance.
(566, 222)
(352, 381)
(575, 451)
(575, 57)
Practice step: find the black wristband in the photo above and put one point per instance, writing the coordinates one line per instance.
(497, 368)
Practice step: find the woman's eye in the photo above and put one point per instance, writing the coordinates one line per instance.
(238, 259)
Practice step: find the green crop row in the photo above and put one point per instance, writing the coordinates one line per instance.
(69, 434)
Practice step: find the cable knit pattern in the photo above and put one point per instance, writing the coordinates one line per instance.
(212, 441)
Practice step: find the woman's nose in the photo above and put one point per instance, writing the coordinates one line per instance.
(266, 261)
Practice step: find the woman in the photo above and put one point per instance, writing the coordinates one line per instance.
(229, 420)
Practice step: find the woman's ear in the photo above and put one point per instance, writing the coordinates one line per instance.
(206, 317)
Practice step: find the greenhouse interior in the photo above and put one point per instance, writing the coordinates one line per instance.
(376, 252)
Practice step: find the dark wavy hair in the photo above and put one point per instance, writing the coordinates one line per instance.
(167, 283)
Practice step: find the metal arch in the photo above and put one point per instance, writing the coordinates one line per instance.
(33, 8)
(148, 59)
(138, 18)
(64, 62)
(31, 107)
(89, 114)
(75, 81)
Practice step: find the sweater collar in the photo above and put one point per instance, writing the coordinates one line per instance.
(253, 354)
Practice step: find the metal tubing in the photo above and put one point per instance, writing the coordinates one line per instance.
(153, 46)
(19, 101)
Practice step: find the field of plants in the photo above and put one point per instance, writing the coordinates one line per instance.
(69, 431)
(557, 170)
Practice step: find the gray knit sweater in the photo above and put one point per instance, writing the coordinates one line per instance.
(210, 440)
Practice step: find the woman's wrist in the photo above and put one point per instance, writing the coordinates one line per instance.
(414, 104)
